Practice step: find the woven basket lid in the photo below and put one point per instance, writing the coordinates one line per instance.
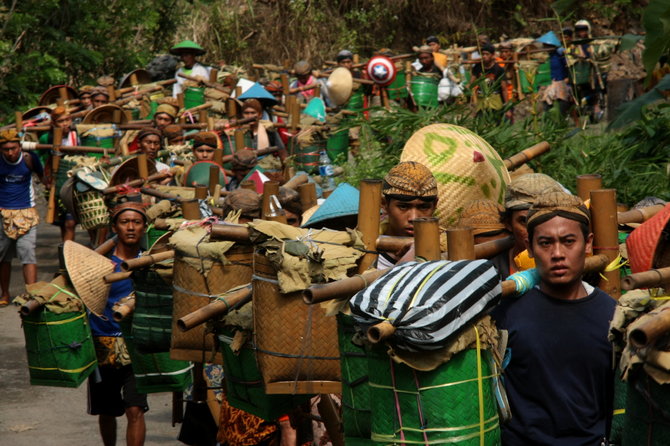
(143, 77)
(105, 114)
(87, 269)
(129, 171)
(340, 86)
(34, 112)
(646, 245)
(52, 95)
(465, 166)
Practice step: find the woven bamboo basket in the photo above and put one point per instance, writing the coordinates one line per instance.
(297, 349)
(93, 212)
(191, 291)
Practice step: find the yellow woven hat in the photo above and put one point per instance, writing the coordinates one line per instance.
(465, 167)
(9, 135)
(87, 269)
(483, 216)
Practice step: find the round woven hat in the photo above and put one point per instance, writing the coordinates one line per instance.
(198, 173)
(41, 111)
(647, 245)
(129, 171)
(87, 270)
(143, 77)
(465, 166)
(187, 46)
(108, 113)
(340, 85)
(52, 95)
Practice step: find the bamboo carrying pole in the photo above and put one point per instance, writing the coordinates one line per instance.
(639, 215)
(230, 232)
(461, 244)
(587, 183)
(29, 146)
(213, 179)
(526, 155)
(307, 193)
(427, 238)
(653, 278)
(648, 333)
(135, 183)
(248, 184)
(216, 308)
(124, 309)
(606, 236)
(190, 209)
(147, 260)
(55, 163)
(369, 219)
(201, 192)
(117, 277)
(142, 166)
(295, 182)
(270, 188)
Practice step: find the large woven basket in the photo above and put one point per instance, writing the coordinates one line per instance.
(92, 210)
(193, 290)
(60, 348)
(244, 384)
(465, 166)
(356, 411)
(437, 407)
(296, 344)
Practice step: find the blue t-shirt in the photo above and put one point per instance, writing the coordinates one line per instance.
(16, 184)
(558, 65)
(559, 379)
(106, 325)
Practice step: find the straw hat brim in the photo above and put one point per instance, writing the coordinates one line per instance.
(87, 269)
(340, 86)
(143, 77)
(105, 114)
(52, 95)
(129, 171)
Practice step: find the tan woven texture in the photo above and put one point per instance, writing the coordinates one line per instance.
(197, 345)
(93, 213)
(87, 270)
(465, 166)
(289, 334)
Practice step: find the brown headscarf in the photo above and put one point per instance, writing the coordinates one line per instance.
(149, 131)
(205, 139)
(248, 201)
(557, 204)
(244, 159)
(410, 179)
(253, 103)
(129, 206)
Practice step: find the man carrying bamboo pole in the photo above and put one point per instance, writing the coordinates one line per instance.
(188, 51)
(18, 214)
(112, 391)
(409, 192)
(559, 377)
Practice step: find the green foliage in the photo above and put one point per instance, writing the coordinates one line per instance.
(45, 43)
(656, 20)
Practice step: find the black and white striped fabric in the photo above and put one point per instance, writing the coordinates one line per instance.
(428, 302)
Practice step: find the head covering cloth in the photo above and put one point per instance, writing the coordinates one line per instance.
(129, 206)
(410, 179)
(557, 204)
(245, 200)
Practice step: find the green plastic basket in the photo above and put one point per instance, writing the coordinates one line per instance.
(436, 407)
(424, 90)
(193, 96)
(337, 146)
(244, 383)
(60, 348)
(307, 157)
(356, 413)
(155, 372)
(152, 319)
(398, 89)
(647, 418)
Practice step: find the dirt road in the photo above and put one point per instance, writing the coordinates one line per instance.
(51, 416)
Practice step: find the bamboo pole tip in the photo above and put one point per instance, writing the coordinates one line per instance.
(638, 338)
(308, 297)
(182, 325)
(377, 333)
(627, 284)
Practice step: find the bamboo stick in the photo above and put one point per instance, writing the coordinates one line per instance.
(229, 232)
(142, 166)
(461, 244)
(639, 215)
(135, 183)
(307, 193)
(27, 146)
(55, 163)
(341, 289)
(213, 179)
(190, 209)
(427, 238)
(653, 278)
(122, 310)
(586, 183)
(606, 236)
(216, 308)
(201, 192)
(270, 188)
(648, 333)
(146, 260)
(296, 181)
(117, 277)
(369, 219)
(388, 243)
(526, 155)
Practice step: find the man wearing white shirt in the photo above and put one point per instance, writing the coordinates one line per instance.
(188, 51)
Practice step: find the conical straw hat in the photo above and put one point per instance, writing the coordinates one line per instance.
(87, 270)
(465, 166)
(340, 85)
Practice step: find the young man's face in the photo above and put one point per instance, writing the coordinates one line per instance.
(188, 59)
(582, 33)
(250, 113)
(130, 227)
(203, 153)
(487, 57)
(11, 151)
(517, 226)
(346, 63)
(559, 249)
(98, 100)
(162, 120)
(506, 53)
(401, 214)
(435, 46)
(64, 122)
(426, 60)
(85, 100)
(150, 145)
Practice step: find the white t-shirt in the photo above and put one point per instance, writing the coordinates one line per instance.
(197, 70)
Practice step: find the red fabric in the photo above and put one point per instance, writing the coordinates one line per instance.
(642, 243)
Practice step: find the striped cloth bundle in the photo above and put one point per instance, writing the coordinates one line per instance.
(428, 302)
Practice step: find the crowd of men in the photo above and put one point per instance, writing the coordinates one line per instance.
(559, 376)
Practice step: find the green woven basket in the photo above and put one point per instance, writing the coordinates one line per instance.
(356, 413)
(647, 419)
(244, 383)
(619, 417)
(152, 318)
(436, 407)
(60, 348)
(155, 372)
(61, 174)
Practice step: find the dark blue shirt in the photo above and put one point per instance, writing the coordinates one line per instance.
(16, 183)
(559, 378)
(106, 325)
(558, 65)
